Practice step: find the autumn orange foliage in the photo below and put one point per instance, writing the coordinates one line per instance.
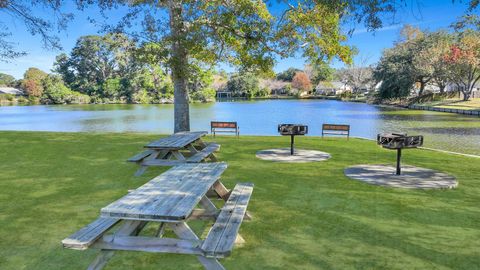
(301, 81)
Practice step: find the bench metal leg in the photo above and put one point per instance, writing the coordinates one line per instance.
(183, 231)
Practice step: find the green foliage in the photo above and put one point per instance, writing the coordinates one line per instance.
(55, 92)
(6, 80)
(33, 82)
(424, 57)
(96, 59)
(288, 74)
(320, 71)
(263, 92)
(244, 85)
(408, 62)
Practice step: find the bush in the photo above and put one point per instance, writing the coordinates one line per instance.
(204, 95)
(243, 85)
(55, 92)
(346, 95)
(263, 92)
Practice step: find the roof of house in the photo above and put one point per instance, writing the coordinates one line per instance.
(10, 90)
(332, 85)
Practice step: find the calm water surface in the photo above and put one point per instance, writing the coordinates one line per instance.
(442, 130)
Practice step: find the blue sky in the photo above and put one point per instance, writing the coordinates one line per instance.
(430, 14)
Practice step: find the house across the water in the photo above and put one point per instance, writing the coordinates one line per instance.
(10, 91)
(331, 88)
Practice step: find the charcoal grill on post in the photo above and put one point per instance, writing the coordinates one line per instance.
(292, 130)
(399, 141)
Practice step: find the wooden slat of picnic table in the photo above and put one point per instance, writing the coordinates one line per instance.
(176, 141)
(170, 196)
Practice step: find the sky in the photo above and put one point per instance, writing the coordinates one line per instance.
(426, 14)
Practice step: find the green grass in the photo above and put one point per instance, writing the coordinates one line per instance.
(472, 104)
(306, 216)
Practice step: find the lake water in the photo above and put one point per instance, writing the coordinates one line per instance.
(445, 131)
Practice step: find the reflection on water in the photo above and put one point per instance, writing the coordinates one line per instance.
(444, 131)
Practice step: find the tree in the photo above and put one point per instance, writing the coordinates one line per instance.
(416, 58)
(33, 82)
(319, 71)
(55, 92)
(288, 74)
(96, 59)
(418, 49)
(464, 61)
(301, 82)
(21, 10)
(357, 76)
(6, 80)
(441, 43)
(393, 74)
(243, 85)
(242, 33)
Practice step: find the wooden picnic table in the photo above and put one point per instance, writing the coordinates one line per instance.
(178, 148)
(170, 199)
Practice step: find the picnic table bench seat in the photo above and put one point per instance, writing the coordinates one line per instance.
(335, 129)
(204, 153)
(140, 156)
(221, 237)
(87, 235)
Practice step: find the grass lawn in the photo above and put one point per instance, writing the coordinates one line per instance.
(306, 216)
(472, 104)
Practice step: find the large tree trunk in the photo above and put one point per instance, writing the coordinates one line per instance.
(442, 88)
(422, 87)
(179, 66)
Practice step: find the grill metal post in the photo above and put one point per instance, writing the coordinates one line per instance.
(399, 156)
(292, 130)
(398, 141)
(292, 142)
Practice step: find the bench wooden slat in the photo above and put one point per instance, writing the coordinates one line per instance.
(334, 129)
(162, 162)
(170, 196)
(140, 156)
(221, 237)
(87, 235)
(176, 141)
(204, 153)
(216, 124)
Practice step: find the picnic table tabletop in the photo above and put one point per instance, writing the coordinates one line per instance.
(169, 197)
(177, 141)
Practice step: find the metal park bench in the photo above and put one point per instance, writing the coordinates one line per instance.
(179, 148)
(171, 200)
(225, 127)
(334, 129)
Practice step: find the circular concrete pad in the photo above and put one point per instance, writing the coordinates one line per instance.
(411, 177)
(301, 155)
